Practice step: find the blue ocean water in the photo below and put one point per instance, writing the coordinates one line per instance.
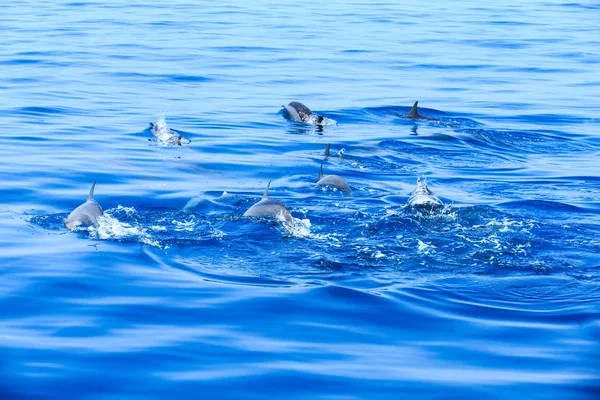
(176, 295)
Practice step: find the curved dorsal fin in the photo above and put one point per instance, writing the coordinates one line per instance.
(327, 150)
(91, 195)
(320, 173)
(414, 112)
(266, 194)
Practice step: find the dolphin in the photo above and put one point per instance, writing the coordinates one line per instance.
(300, 113)
(327, 150)
(333, 181)
(268, 207)
(414, 114)
(422, 196)
(85, 214)
(163, 134)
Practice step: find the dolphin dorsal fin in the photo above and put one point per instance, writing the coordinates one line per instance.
(320, 173)
(414, 112)
(91, 195)
(327, 150)
(266, 194)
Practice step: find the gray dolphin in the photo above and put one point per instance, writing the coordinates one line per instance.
(334, 181)
(327, 150)
(422, 196)
(268, 207)
(85, 214)
(414, 113)
(300, 113)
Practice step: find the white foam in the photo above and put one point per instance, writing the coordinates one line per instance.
(301, 228)
(378, 254)
(219, 234)
(328, 122)
(110, 228)
(314, 120)
(187, 226)
(507, 225)
(128, 210)
(425, 248)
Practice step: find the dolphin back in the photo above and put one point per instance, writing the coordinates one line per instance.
(268, 207)
(422, 196)
(334, 181)
(271, 208)
(85, 214)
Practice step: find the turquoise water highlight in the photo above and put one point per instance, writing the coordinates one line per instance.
(176, 295)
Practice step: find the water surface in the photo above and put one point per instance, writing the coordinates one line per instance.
(176, 295)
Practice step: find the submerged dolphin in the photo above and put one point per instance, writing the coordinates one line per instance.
(268, 207)
(300, 113)
(85, 214)
(414, 113)
(334, 181)
(422, 196)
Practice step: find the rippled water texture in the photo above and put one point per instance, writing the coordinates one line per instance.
(495, 294)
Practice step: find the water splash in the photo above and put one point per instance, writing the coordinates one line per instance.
(110, 228)
(314, 120)
(165, 136)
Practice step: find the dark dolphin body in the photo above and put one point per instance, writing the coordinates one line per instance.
(414, 114)
(268, 207)
(85, 214)
(300, 113)
(334, 181)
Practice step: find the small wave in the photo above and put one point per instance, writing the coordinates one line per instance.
(209, 204)
(545, 205)
(136, 76)
(397, 114)
(48, 111)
